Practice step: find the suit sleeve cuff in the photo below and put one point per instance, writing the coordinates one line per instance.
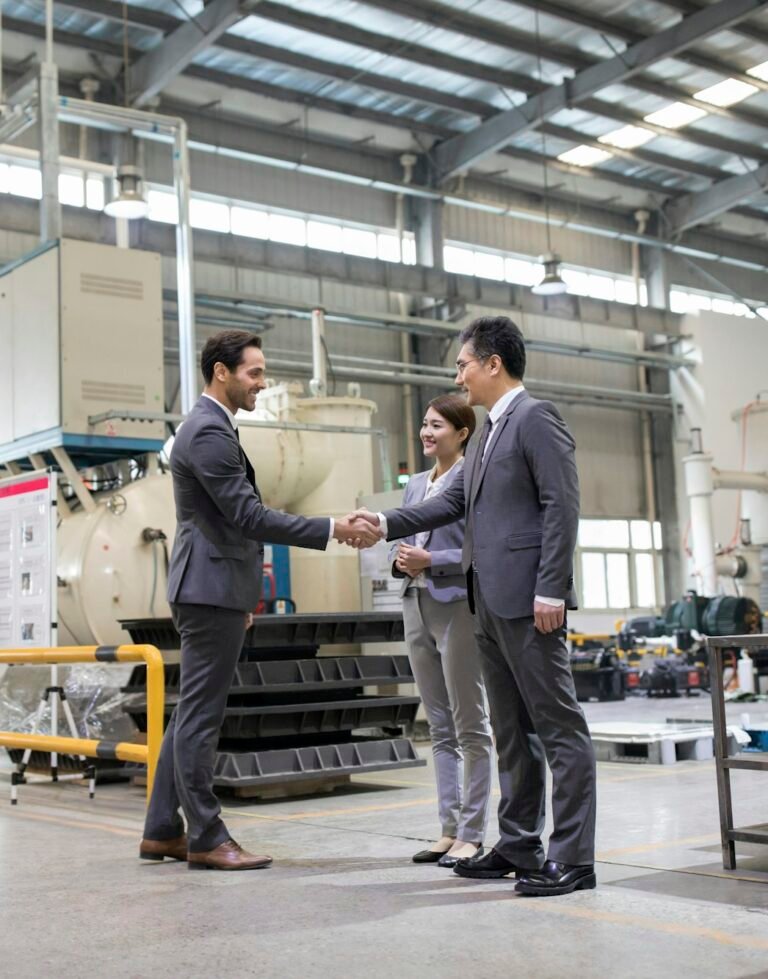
(332, 528)
(383, 525)
(556, 602)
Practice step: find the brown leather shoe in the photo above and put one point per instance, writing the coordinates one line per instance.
(227, 856)
(175, 849)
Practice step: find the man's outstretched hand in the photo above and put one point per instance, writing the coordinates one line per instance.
(358, 530)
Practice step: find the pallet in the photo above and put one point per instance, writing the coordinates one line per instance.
(659, 744)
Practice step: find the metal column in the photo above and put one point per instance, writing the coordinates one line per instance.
(50, 208)
(184, 272)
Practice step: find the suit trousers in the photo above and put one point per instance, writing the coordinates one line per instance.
(537, 720)
(444, 659)
(211, 643)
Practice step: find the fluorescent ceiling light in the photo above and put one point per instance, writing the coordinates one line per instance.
(585, 156)
(759, 71)
(676, 115)
(628, 137)
(726, 93)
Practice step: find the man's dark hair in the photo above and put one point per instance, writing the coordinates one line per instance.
(490, 335)
(226, 348)
(455, 410)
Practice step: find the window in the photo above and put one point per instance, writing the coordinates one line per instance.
(459, 260)
(522, 273)
(71, 190)
(358, 242)
(163, 207)
(25, 182)
(94, 193)
(209, 215)
(618, 564)
(249, 222)
(5, 180)
(389, 248)
(489, 266)
(291, 231)
(322, 234)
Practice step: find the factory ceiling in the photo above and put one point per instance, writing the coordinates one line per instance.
(657, 103)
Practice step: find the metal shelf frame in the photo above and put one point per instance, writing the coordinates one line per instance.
(729, 834)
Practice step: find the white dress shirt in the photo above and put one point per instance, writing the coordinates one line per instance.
(233, 422)
(496, 413)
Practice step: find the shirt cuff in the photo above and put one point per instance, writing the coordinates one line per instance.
(333, 527)
(383, 525)
(556, 602)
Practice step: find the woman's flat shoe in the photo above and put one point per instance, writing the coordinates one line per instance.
(446, 860)
(428, 856)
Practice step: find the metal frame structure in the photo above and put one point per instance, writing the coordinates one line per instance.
(729, 834)
(122, 750)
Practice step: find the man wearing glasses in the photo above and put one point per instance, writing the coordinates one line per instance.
(519, 493)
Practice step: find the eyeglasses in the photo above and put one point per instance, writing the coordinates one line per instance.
(462, 365)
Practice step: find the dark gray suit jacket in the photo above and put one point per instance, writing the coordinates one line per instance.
(446, 582)
(521, 505)
(222, 524)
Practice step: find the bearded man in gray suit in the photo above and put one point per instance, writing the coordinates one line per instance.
(519, 494)
(214, 581)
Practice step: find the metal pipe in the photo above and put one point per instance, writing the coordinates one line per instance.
(184, 272)
(73, 162)
(699, 488)
(319, 383)
(50, 207)
(736, 480)
(49, 32)
(429, 327)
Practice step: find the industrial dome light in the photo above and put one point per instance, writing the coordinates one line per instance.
(552, 283)
(130, 202)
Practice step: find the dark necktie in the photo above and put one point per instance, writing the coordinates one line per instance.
(249, 472)
(484, 436)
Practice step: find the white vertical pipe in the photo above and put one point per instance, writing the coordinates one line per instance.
(699, 487)
(49, 32)
(185, 287)
(319, 382)
(50, 208)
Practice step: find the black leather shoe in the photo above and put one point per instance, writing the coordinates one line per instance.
(556, 878)
(488, 866)
(448, 861)
(428, 856)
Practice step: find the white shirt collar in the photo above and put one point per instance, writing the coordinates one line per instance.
(504, 402)
(439, 480)
(224, 408)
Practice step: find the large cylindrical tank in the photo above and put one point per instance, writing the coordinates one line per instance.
(107, 570)
(338, 469)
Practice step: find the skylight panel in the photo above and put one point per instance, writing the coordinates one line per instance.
(726, 93)
(676, 115)
(585, 156)
(628, 137)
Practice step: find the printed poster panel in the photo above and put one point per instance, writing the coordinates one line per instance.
(28, 560)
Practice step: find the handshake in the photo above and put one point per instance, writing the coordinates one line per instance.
(359, 529)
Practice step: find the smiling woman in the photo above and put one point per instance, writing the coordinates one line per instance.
(441, 645)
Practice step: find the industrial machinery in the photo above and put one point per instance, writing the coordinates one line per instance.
(87, 398)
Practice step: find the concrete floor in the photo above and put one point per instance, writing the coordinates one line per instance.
(343, 898)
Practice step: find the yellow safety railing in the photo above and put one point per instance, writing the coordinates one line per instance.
(123, 750)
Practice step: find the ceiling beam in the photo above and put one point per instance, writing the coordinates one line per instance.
(155, 69)
(401, 121)
(629, 34)
(143, 18)
(693, 209)
(461, 152)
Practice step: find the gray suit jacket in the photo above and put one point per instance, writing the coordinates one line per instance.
(521, 505)
(222, 524)
(446, 582)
